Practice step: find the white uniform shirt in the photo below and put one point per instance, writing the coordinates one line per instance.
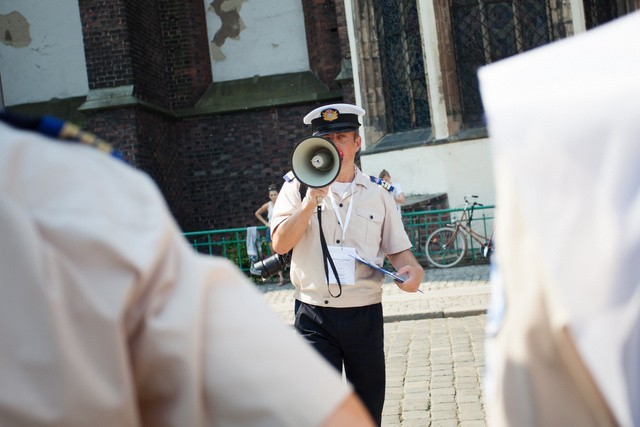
(109, 318)
(375, 229)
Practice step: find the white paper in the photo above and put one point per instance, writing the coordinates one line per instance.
(345, 265)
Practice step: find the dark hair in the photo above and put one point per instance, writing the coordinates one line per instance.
(273, 187)
(383, 173)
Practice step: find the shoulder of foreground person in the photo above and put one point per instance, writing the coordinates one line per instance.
(187, 322)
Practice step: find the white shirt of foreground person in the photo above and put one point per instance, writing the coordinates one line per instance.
(109, 318)
(564, 120)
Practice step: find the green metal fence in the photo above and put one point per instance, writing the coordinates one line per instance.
(231, 243)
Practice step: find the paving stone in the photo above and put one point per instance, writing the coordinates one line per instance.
(443, 406)
(415, 415)
(444, 415)
(434, 363)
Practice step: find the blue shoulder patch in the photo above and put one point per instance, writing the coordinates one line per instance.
(382, 183)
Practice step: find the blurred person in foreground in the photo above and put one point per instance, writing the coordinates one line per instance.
(109, 318)
(563, 345)
(343, 320)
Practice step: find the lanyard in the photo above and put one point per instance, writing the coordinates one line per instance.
(327, 261)
(344, 224)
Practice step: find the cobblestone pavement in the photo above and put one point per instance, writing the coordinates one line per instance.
(434, 345)
(434, 371)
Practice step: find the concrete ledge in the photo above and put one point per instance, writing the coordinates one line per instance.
(435, 314)
(111, 97)
(418, 138)
(262, 91)
(235, 95)
(66, 109)
(287, 316)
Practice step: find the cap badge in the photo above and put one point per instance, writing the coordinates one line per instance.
(329, 115)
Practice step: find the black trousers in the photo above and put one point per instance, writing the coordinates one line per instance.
(353, 337)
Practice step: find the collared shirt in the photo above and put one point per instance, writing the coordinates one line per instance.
(109, 318)
(375, 229)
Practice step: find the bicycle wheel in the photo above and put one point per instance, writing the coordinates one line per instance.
(445, 247)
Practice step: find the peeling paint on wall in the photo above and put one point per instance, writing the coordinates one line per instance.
(14, 30)
(251, 37)
(232, 25)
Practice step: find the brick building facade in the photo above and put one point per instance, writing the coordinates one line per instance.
(152, 94)
(215, 146)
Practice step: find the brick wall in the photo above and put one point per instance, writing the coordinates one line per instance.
(147, 54)
(323, 41)
(118, 127)
(106, 43)
(213, 170)
(186, 47)
(230, 161)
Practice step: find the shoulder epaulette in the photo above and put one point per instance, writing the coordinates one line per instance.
(57, 128)
(289, 176)
(382, 183)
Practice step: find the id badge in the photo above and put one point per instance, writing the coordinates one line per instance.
(345, 265)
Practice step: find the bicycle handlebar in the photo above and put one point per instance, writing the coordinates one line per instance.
(474, 203)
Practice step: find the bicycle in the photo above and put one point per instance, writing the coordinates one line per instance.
(447, 245)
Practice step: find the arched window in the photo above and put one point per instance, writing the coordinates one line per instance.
(485, 31)
(401, 62)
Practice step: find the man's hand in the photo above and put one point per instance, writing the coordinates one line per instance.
(287, 234)
(406, 264)
(315, 195)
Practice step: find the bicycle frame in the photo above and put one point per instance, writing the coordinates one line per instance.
(447, 245)
(460, 225)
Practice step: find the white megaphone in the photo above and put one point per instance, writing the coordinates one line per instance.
(316, 162)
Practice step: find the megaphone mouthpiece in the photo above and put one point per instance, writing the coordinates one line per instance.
(316, 162)
(322, 160)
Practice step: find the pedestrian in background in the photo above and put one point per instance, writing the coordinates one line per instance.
(342, 316)
(268, 208)
(398, 194)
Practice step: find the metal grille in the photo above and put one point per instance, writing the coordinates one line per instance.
(597, 12)
(401, 60)
(485, 31)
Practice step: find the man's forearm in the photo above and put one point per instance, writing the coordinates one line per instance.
(403, 258)
(287, 234)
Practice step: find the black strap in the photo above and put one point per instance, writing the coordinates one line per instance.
(326, 258)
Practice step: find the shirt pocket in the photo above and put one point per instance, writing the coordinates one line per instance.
(370, 225)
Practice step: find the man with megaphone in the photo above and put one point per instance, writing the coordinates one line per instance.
(332, 215)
